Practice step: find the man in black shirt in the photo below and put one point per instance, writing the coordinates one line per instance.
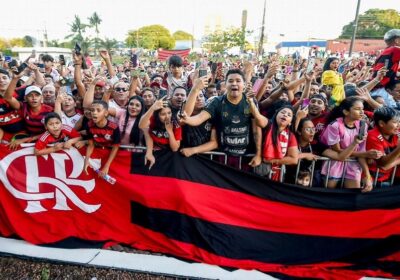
(230, 114)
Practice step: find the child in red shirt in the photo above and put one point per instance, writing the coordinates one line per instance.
(63, 137)
(159, 129)
(102, 133)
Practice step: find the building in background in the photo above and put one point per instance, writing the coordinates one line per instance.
(302, 47)
(24, 53)
(370, 46)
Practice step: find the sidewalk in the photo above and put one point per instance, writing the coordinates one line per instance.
(157, 265)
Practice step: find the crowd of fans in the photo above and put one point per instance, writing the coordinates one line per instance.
(285, 112)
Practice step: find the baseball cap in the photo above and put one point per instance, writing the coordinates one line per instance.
(391, 34)
(100, 84)
(155, 84)
(32, 89)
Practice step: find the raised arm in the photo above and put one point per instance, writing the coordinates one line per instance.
(272, 70)
(199, 85)
(107, 59)
(145, 119)
(77, 59)
(8, 95)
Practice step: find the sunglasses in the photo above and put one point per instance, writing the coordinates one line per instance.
(118, 89)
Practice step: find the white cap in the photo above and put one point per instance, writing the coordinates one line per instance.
(391, 33)
(30, 89)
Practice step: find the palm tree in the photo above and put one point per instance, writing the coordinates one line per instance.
(77, 29)
(109, 44)
(95, 21)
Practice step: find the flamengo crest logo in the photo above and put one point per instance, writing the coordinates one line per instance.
(62, 192)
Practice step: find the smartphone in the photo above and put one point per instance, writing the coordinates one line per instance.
(310, 65)
(62, 81)
(202, 73)
(198, 63)
(22, 67)
(162, 93)
(361, 132)
(12, 63)
(77, 49)
(181, 109)
(214, 67)
(61, 59)
(305, 103)
(134, 60)
(387, 63)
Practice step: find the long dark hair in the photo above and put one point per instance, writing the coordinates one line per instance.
(327, 65)
(274, 126)
(337, 112)
(135, 134)
(158, 123)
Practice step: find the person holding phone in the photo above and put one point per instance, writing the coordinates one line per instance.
(343, 126)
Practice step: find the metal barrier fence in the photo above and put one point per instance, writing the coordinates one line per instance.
(212, 154)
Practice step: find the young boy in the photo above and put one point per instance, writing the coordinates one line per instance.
(102, 133)
(384, 138)
(57, 134)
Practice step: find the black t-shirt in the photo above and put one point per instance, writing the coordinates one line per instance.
(193, 136)
(233, 124)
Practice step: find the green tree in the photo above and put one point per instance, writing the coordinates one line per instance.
(109, 44)
(4, 44)
(219, 41)
(29, 40)
(182, 35)
(150, 37)
(374, 23)
(95, 21)
(78, 28)
(17, 42)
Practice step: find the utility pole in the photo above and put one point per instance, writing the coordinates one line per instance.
(353, 38)
(244, 23)
(261, 43)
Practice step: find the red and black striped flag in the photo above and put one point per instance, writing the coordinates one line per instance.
(235, 219)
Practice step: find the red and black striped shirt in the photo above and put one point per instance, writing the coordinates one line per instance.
(34, 121)
(106, 136)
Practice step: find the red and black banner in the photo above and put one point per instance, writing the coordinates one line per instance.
(203, 211)
(165, 54)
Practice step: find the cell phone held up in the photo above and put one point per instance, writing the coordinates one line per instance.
(134, 60)
(202, 73)
(13, 65)
(310, 65)
(77, 49)
(361, 132)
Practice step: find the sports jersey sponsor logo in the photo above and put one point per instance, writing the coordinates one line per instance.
(236, 141)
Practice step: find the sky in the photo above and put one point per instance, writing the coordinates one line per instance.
(294, 19)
